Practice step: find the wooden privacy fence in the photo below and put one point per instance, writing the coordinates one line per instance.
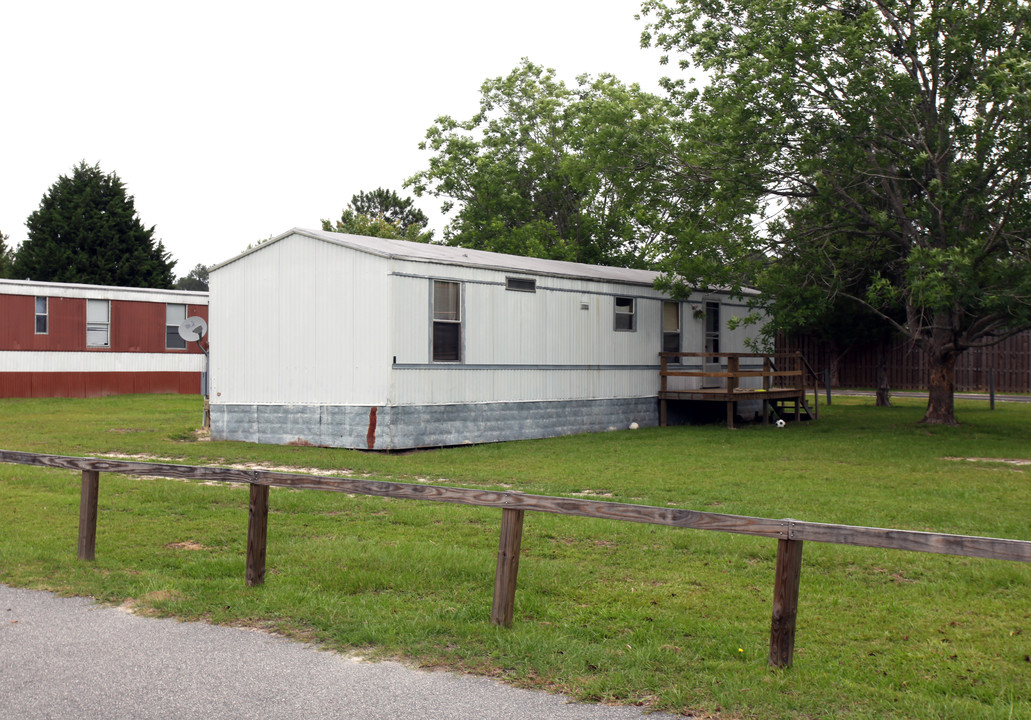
(790, 534)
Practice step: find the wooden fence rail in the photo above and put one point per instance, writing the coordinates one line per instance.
(789, 533)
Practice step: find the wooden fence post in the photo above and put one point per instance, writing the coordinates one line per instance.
(257, 534)
(88, 514)
(785, 602)
(508, 567)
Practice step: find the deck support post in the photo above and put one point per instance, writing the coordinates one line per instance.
(785, 602)
(257, 534)
(88, 514)
(733, 367)
(767, 369)
(508, 567)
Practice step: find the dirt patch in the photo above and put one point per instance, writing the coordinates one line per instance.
(1005, 461)
(143, 457)
(186, 545)
(144, 604)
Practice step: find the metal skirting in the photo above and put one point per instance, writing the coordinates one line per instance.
(413, 426)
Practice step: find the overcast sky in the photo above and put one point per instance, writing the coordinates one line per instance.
(233, 121)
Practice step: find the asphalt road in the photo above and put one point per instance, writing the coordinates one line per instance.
(69, 658)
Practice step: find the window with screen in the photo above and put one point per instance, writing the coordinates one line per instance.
(42, 316)
(174, 315)
(98, 323)
(447, 321)
(671, 328)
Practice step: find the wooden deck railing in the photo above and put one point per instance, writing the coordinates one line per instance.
(790, 534)
(776, 384)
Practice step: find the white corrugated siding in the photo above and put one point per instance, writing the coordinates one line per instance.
(49, 361)
(418, 386)
(101, 292)
(302, 321)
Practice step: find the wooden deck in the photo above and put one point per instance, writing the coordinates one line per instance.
(779, 389)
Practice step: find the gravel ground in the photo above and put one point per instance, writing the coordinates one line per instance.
(64, 658)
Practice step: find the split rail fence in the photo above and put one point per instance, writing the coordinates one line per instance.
(790, 534)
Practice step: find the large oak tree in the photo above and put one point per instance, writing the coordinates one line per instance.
(548, 170)
(881, 145)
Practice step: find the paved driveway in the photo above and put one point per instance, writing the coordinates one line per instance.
(69, 658)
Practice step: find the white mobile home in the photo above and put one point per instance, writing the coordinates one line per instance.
(360, 342)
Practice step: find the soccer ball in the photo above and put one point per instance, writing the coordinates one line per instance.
(781, 423)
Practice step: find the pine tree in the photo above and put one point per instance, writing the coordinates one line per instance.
(86, 230)
(6, 257)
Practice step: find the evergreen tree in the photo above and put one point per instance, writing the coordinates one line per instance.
(384, 214)
(390, 206)
(6, 257)
(86, 231)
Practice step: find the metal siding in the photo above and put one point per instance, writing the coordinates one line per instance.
(41, 361)
(301, 322)
(100, 292)
(417, 386)
(96, 384)
(410, 319)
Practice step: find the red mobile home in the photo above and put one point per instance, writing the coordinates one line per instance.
(69, 340)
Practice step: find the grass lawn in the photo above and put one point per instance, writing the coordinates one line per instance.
(673, 619)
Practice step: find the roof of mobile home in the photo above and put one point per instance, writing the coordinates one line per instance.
(466, 257)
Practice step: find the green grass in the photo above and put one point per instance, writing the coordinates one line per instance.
(676, 620)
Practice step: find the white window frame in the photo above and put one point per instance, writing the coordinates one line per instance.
(446, 318)
(172, 327)
(44, 316)
(95, 325)
(628, 309)
(667, 333)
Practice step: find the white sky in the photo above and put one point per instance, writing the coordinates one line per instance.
(233, 121)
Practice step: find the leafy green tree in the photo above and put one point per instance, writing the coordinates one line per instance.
(196, 279)
(6, 257)
(382, 213)
(86, 230)
(376, 226)
(881, 145)
(551, 171)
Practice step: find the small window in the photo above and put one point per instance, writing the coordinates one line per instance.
(447, 321)
(42, 316)
(98, 323)
(174, 315)
(626, 318)
(671, 328)
(521, 284)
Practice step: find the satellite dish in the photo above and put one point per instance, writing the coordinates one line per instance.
(192, 329)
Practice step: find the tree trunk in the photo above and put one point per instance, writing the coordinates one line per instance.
(941, 386)
(883, 385)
